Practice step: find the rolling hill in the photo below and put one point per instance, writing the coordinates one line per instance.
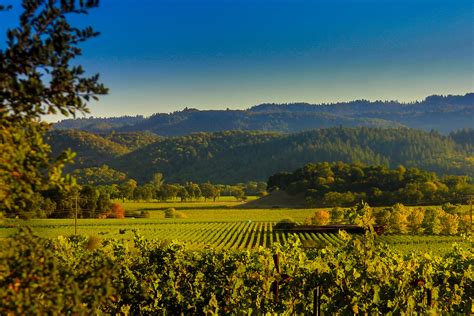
(239, 156)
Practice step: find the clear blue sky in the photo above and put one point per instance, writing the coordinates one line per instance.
(163, 55)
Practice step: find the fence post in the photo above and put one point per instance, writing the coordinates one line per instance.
(317, 301)
(429, 297)
(275, 285)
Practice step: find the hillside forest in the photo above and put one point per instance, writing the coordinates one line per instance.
(239, 156)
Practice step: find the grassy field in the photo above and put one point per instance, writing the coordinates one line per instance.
(221, 202)
(216, 224)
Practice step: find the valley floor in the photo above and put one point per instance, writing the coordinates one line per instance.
(218, 225)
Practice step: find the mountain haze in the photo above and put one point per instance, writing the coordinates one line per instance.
(441, 113)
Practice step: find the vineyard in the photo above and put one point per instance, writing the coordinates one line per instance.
(241, 235)
(80, 275)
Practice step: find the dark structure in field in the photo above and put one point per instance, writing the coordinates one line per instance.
(352, 229)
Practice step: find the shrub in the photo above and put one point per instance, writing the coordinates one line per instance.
(117, 211)
(382, 217)
(450, 224)
(93, 242)
(321, 217)
(399, 218)
(432, 222)
(170, 212)
(337, 215)
(262, 193)
(285, 223)
(465, 223)
(415, 220)
(451, 209)
(145, 214)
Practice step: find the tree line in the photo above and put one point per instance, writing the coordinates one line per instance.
(447, 219)
(189, 191)
(95, 198)
(342, 184)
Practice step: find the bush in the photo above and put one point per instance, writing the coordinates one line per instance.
(432, 222)
(450, 224)
(415, 220)
(321, 217)
(170, 212)
(465, 223)
(93, 242)
(382, 217)
(145, 214)
(285, 223)
(117, 211)
(451, 209)
(337, 215)
(399, 219)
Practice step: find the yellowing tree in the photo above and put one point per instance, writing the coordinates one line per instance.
(465, 223)
(399, 218)
(432, 222)
(321, 217)
(450, 224)
(415, 220)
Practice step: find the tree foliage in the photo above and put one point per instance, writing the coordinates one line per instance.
(342, 184)
(38, 77)
(235, 156)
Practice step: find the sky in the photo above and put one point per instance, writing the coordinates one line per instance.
(164, 55)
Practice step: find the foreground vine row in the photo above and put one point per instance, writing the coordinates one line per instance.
(359, 275)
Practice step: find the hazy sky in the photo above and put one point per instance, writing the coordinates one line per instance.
(163, 55)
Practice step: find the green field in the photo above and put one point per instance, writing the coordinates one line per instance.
(221, 202)
(217, 225)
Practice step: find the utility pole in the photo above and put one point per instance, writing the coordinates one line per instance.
(75, 217)
(470, 203)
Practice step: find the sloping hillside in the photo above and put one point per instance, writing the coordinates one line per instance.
(231, 157)
(237, 156)
(91, 149)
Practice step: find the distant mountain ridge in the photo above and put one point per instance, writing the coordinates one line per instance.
(441, 113)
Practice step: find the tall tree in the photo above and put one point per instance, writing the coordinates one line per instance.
(210, 191)
(38, 76)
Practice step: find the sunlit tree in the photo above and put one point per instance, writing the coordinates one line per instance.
(39, 76)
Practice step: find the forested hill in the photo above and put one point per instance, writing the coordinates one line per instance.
(97, 149)
(441, 113)
(237, 156)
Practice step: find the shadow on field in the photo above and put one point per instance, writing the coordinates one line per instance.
(183, 208)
